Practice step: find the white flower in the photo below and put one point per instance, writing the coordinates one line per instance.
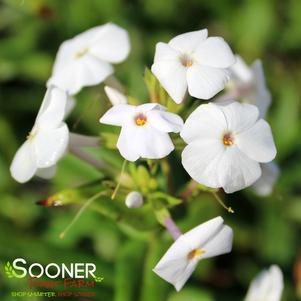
(144, 131)
(226, 144)
(267, 286)
(207, 240)
(249, 84)
(264, 185)
(46, 142)
(115, 96)
(86, 59)
(134, 199)
(194, 61)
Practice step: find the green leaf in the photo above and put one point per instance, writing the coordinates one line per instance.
(158, 94)
(153, 287)
(127, 273)
(170, 200)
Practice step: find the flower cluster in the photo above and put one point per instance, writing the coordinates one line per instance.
(229, 144)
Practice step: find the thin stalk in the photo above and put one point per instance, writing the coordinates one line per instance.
(172, 228)
(80, 212)
(119, 181)
(216, 196)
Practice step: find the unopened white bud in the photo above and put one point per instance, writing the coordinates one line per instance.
(115, 96)
(134, 199)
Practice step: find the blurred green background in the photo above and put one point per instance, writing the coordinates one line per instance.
(267, 230)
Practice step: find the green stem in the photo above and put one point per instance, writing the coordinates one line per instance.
(80, 212)
(119, 180)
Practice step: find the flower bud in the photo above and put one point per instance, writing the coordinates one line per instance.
(134, 199)
(115, 96)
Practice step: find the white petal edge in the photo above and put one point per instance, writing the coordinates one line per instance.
(200, 159)
(189, 41)
(53, 108)
(23, 166)
(206, 121)
(220, 244)
(112, 44)
(236, 171)
(115, 96)
(46, 173)
(257, 142)
(172, 76)
(50, 146)
(215, 52)
(126, 146)
(165, 121)
(240, 116)
(118, 115)
(265, 184)
(204, 82)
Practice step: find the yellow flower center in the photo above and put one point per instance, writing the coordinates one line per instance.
(195, 254)
(228, 139)
(140, 119)
(186, 60)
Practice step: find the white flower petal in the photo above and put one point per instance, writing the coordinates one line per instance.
(199, 236)
(111, 44)
(204, 81)
(240, 71)
(240, 117)
(46, 173)
(176, 266)
(267, 286)
(236, 171)
(257, 142)
(53, 108)
(175, 271)
(146, 107)
(165, 121)
(23, 166)
(71, 102)
(207, 121)
(126, 146)
(172, 76)
(220, 244)
(201, 159)
(215, 52)
(118, 115)
(50, 146)
(80, 72)
(182, 279)
(151, 143)
(115, 96)
(262, 98)
(264, 185)
(165, 52)
(188, 42)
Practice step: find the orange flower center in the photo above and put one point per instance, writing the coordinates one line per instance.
(228, 139)
(186, 60)
(195, 254)
(140, 119)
